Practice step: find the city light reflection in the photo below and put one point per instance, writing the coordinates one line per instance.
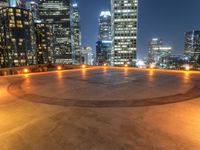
(186, 76)
(84, 74)
(105, 70)
(59, 75)
(126, 72)
(151, 75)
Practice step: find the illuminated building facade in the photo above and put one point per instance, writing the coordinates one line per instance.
(192, 44)
(124, 31)
(33, 7)
(4, 3)
(103, 52)
(57, 13)
(76, 34)
(104, 26)
(17, 3)
(17, 38)
(44, 43)
(87, 55)
(104, 43)
(158, 52)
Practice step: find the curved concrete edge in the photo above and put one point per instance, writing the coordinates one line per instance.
(16, 90)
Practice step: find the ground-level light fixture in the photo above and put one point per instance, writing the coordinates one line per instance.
(105, 64)
(59, 68)
(187, 67)
(26, 70)
(83, 66)
(126, 65)
(152, 66)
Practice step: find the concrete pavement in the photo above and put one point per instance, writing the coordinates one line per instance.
(100, 109)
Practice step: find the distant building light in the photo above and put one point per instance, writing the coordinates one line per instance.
(75, 5)
(105, 14)
(106, 42)
(140, 64)
(38, 21)
(32, 2)
(162, 48)
(155, 39)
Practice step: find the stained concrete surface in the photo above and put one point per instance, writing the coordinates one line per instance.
(100, 109)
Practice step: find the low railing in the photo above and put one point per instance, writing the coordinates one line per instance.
(36, 68)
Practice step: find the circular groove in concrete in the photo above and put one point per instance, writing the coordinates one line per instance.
(16, 90)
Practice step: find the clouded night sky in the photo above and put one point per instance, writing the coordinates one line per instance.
(167, 19)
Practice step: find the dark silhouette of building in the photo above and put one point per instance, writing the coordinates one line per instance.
(76, 33)
(104, 43)
(17, 37)
(57, 14)
(192, 44)
(44, 43)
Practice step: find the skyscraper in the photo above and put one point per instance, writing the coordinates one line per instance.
(104, 26)
(76, 34)
(158, 52)
(103, 45)
(87, 55)
(124, 31)
(32, 5)
(4, 3)
(17, 3)
(192, 44)
(57, 13)
(103, 52)
(44, 43)
(17, 38)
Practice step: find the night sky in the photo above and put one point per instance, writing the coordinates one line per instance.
(167, 19)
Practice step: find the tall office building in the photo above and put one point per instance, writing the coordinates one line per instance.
(103, 52)
(44, 43)
(17, 38)
(4, 3)
(32, 5)
(158, 52)
(17, 3)
(87, 55)
(104, 43)
(57, 13)
(104, 26)
(192, 44)
(124, 31)
(76, 34)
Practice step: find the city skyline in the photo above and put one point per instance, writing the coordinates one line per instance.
(168, 25)
(99, 74)
(128, 43)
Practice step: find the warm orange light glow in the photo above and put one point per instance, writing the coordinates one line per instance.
(26, 70)
(126, 65)
(152, 66)
(187, 68)
(83, 66)
(59, 67)
(84, 74)
(104, 64)
(151, 75)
